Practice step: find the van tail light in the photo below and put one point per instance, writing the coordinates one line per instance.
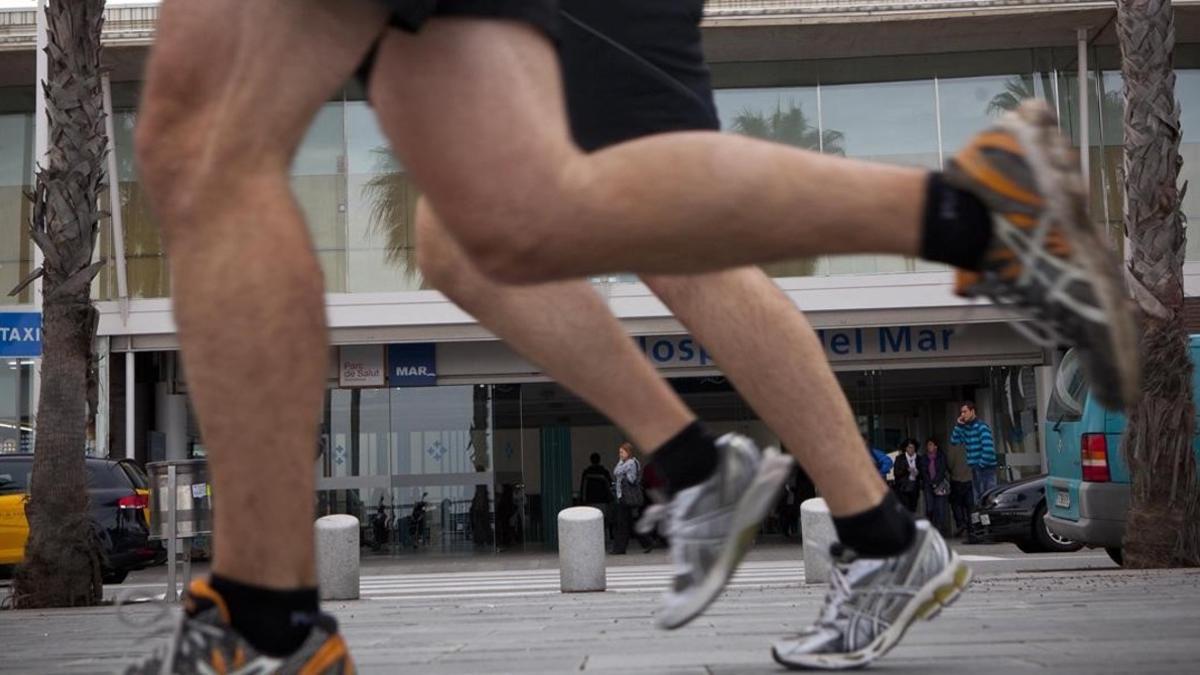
(133, 502)
(1094, 451)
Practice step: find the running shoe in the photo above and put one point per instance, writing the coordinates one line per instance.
(1046, 255)
(203, 642)
(710, 526)
(872, 601)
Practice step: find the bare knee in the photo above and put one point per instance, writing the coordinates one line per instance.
(515, 230)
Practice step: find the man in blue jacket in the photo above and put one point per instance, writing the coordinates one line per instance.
(974, 434)
(883, 463)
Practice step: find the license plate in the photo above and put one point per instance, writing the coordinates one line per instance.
(1062, 499)
(985, 519)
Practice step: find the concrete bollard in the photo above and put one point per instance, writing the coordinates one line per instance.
(816, 526)
(337, 557)
(581, 550)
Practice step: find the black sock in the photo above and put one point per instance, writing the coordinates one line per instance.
(880, 532)
(275, 622)
(687, 459)
(957, 227)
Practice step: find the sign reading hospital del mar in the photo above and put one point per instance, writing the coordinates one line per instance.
(20, 334)
(894, 344)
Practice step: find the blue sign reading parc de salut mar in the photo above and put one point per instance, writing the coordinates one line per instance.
(412, 365)
(20, 334)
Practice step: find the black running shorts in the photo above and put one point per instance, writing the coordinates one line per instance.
(631, 68)
(410, 15)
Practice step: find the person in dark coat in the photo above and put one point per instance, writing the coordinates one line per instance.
(907, 473)
(596, 490)
(935, 482)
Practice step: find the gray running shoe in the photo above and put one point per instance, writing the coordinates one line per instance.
(1046, 256)
(872, 601)
(203, 642)
(712, 525)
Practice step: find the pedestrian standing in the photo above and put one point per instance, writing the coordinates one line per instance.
(631, 497)
(907, 475)
(960, 488)
(596, 490)
(976, 435)
(935, 482)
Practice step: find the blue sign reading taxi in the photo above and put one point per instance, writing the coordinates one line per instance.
(20, 334)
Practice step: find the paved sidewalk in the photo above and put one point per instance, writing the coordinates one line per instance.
(1087, 621)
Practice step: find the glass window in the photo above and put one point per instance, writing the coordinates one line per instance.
(16, 250)
(381, 251)
(894, 122)
(320, 190)
(16, 421)
(14, 475)
(106, 476)
(970, 104)
(782, 114)
(1187, 90)
(145, 261)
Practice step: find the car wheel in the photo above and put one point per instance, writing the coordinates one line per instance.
(1047, 539)
(1028, 546)
(1116, 553)
(114, 577)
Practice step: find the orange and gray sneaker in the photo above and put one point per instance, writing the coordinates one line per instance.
(1046, 257)
(204, 642)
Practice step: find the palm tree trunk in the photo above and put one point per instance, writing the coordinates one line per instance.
(1163, 527)
(62, 565)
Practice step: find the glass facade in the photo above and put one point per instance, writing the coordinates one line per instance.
(911, 110)
(16, 175)
(482, 468)
(920, 110)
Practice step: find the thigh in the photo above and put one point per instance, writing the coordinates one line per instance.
(474, 107)
(248, 75)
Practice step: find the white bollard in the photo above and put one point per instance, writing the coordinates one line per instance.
(581, 549)
(816, 525)
(337, 557)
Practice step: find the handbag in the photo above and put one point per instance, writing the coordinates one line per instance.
(632, 494)
(942, 489)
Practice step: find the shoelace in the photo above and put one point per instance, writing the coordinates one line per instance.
(184, 635)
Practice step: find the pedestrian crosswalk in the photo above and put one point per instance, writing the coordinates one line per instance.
(507, 584)
(494, 584)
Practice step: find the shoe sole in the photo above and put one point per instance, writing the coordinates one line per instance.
(756, 502)
(1055, 168)
(940, 592)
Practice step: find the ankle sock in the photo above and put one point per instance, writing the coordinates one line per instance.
(957, 227)
(687, 459)
(882, 531)
(275, 622)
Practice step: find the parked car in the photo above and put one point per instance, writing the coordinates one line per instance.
(118, 503)
(1015, 512)
(1088, 485)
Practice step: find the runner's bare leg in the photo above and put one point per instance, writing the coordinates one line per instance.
(739, 316)
(567, 330)
(215, 139)
(475, 108)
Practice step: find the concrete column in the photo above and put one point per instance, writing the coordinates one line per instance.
(818, 534)
(130, 405)
(171, 420)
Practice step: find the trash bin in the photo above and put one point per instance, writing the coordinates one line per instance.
(193, 498)
(180, 508)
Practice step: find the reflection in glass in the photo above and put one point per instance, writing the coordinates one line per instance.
(16, 170)
(382, 209)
